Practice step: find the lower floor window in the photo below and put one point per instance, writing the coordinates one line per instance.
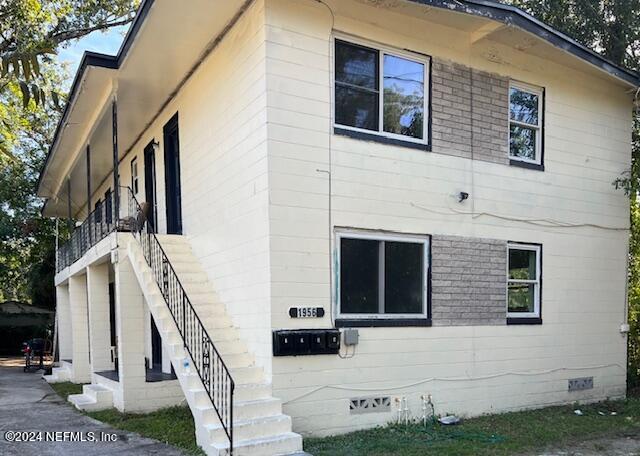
(523, 281)
(382, 275)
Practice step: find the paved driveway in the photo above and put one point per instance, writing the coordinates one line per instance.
(27, 403)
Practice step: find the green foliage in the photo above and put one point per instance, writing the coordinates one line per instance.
(491, 435)
(33, 30)
(31, 92)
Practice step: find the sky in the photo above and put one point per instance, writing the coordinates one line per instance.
(106, 43)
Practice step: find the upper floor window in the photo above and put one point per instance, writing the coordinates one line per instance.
(525, 123)
(134, 176)
(380, 92)
(382, 276)
(524, 280)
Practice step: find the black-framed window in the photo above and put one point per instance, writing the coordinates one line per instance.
(97, 209)
(134, 176)
(524, 281)
(381, 92)
(526, 112)
(382, 276)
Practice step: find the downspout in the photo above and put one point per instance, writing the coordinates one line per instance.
(88, 179)
(69, 215)
(89, 189)
(116, 179)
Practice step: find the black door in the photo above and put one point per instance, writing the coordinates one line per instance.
(156, 347)
(108, 207)
(172, 176)
(150, 183)
(112, 322)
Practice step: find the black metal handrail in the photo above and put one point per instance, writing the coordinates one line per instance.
(98, 224)
(208, 363)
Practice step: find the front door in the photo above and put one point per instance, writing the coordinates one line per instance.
(112, 325)
(156, 347)
(150, 183)
(172, 176)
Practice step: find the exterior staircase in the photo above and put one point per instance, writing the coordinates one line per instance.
(93, 397)
(259, 426)
(59, 374)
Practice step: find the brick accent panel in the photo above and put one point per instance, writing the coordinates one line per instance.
(468, 281)
(490, 117)
(469, 112)
(451, 108)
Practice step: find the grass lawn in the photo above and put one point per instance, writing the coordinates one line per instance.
(505, 434)
(64, 389)
(173, 425)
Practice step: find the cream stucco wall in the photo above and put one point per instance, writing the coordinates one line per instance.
(384, 187)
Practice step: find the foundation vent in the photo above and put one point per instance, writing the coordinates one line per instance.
(369, 405)
(580, 384)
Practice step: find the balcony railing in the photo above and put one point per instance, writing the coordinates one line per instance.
(100, 222)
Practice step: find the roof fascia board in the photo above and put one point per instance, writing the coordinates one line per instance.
(511, 15)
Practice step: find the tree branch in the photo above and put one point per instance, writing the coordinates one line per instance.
(61, 37)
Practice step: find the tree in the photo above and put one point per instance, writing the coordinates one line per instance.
(31, 32)
(611, 27)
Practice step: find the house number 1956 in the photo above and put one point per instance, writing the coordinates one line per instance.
(306, 312)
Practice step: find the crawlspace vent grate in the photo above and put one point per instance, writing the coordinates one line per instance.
(579, 384)
(370, 404)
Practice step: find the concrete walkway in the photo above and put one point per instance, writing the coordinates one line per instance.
(27, 403)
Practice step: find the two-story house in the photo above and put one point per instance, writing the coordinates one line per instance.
(350, 206)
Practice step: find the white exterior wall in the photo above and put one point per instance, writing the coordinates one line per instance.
(223, 159)
(65, 334)
(378, 187)
(99, 322)
(81, 366)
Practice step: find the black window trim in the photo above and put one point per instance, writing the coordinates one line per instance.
(520, 163)
(381, 136)
(373, 320)
(528, 320)
(134, 161)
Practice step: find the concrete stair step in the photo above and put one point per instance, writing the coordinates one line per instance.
(230, 347)
(247, 410)
(98, 392)
(168, 239)
(244, 392)
(249, 374)
(186, 266)
(171, 248)
(88, 403)
(214, 322)
(288, 443)
(251, 429)
(187, 278)
(252, 391)
(58, 375)
(243, 410)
